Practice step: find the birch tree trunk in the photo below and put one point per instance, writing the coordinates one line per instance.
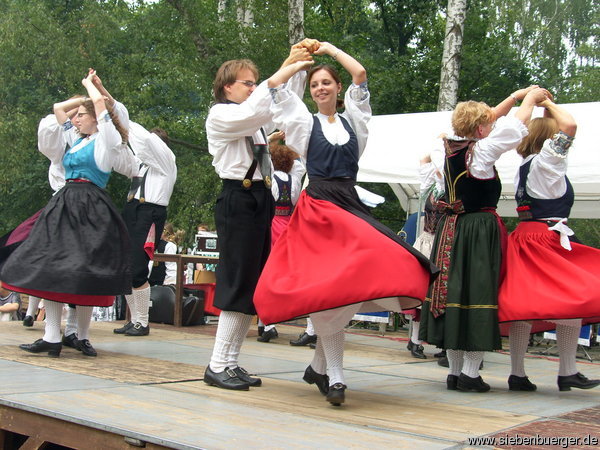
(451, 58)
(295, 21)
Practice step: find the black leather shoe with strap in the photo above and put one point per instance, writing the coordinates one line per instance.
(228, 379)
(245, 376)
(516, 383)
(304, 339)
(578, 381)
(39, 346)
(336, 394)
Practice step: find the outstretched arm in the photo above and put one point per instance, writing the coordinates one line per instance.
(286, 72)
(566, 122)
(95, 95)
(110, 101)
(67, 109)
(354, 68)
(504, 107)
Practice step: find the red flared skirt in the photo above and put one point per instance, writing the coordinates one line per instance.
(328, 257)
(544, 281)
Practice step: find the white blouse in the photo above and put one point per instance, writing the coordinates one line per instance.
(293, 117)
(228, 124)
(159, 164)
(546, 179)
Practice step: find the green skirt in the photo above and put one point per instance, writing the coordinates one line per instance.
(470, 320)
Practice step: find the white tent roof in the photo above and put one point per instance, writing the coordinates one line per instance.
(397, 143)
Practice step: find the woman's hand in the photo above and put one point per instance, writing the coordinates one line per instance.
(325, 48)
(276, 136)
(312, 45)
(90, 78)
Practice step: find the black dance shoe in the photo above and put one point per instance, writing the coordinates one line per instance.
(313, 345)
(578, 381)
(443, 361)
(304, 339)
(451, 382)
(84, 346)
(123, 329)
(70, 341)
(28, 321)
(245, 376)
(138, 330)
(268, 335)
(228, 379)
(312, 377)
(261, 330)
(467, 384)
(336, 395)
(441, 354)
(416, 350)
(516, 383)
(39, 346)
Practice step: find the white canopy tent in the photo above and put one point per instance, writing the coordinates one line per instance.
(397, 143)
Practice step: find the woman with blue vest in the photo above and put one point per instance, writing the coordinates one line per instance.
(78, 250)
(334, 258)
(552, 280)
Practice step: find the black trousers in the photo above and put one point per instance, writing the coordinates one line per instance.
(139, 217)
(243, 218)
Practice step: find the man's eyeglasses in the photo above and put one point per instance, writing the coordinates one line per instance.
(247, 83)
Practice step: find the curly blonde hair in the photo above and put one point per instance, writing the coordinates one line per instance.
(467, 116)
(540, 129)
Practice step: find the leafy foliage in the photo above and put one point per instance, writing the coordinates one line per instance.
(159, 58)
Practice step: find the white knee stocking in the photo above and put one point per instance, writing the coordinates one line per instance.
(319, 364)
(455, 361)
(414, 335)
(518, 341)
(132, 308)
(71, 325)
(84, 317)
(231, 332)
(310, 330)
(333, 346)
(472, 362)
(567, 334)
(32, 306)
(141, 298)
(54, 312)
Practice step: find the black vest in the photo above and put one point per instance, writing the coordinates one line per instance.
(474, 193)
(327, 160)
(530, 208)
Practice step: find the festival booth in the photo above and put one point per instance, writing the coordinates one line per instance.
(397, 142)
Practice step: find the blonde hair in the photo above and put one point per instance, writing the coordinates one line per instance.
(227, 74)
(540, 129)
(467, 116)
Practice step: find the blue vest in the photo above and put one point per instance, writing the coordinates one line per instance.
(327, 160)
(82, 164)
(284, 206)
(530, 208)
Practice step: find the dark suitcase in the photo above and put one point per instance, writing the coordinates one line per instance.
(163, 307)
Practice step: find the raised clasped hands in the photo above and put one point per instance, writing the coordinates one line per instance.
(90, 77)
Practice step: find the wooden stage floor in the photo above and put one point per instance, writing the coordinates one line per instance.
(151, 389)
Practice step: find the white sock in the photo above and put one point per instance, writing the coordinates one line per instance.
(227, 347)
(310, 330)
(84, 318)
(518, 340)
(53, 318)
(319, 363)
(132, 308)
(333, 346)
(71, 324)
(455, 361)
(472, 363)
(269, 327)
(414, 335)
(32, 306)
(141, 297)
(260, 323)
(567, 334)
